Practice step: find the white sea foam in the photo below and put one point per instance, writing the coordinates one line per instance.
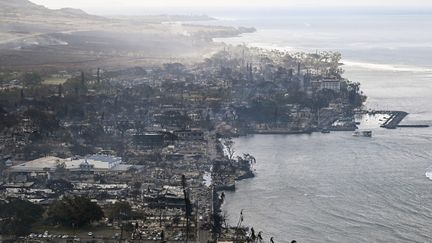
(388, 67)
(269, 46)
(225, 19)
(429, 173)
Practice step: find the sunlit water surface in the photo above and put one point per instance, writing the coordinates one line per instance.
(336, 187)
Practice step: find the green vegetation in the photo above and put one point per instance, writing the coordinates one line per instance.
(17, 216)
(119, 211)
(74, 212)
(31, 79)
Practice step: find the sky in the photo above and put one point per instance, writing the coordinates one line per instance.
(113, 5)
(221, 3)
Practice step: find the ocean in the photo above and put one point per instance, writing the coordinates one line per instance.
(336, 187)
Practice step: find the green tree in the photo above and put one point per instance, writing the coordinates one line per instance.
(323, 98)
(119, 211)
(17, 216)
(31, 79)
(74, 212)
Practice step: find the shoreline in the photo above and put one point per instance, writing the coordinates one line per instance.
(227, 232)
(393, 122)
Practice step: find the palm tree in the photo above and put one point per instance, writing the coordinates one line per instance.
(187, 206)
(239, 223)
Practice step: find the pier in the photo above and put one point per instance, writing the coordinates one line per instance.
(414, 126)
(394, 120)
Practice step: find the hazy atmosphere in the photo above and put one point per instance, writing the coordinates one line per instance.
(194, 6)
(239, 121)
(223, 3)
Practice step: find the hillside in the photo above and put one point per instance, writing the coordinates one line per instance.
(22, 19)
(34, 37)
(25, 9)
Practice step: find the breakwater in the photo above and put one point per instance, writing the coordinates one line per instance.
(394, 120)
(414, 126)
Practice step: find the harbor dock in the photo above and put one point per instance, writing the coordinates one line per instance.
(394, 120)
(413, 126)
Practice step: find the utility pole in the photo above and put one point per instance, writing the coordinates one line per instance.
(82, 78)
(298, 69)
(187, 206)
(98, 75)
(122, 216)
(60, 90)
(239, 223)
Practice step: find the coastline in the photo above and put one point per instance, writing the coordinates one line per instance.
(199, 116)
(219, 187)
(218, 204)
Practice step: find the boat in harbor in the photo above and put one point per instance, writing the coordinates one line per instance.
(362, 134)
(325, 130)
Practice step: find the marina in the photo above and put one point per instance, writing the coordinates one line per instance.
(336, 187)
(389, 119)
(413, 126)
(298, 127)
(394, 120)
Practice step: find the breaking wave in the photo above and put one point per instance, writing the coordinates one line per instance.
(388, 67)
(429, 173)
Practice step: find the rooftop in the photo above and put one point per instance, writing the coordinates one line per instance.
(50, 163)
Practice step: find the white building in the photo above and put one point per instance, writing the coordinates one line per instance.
(51, 164)
(104, 161)
(331, 84)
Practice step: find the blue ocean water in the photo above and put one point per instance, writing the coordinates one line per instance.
(335, 187)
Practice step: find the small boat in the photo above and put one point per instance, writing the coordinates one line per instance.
(325, 130)
(367, 134)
